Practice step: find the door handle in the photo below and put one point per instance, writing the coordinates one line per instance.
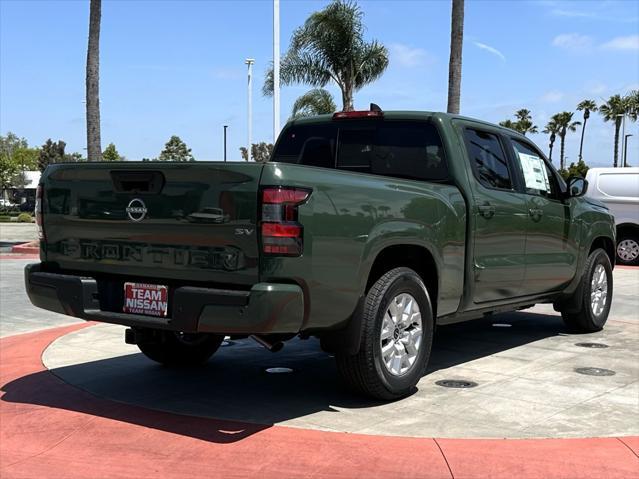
(536, 213)
(486, 210)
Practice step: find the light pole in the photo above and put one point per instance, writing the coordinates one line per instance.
(250, 62)
(276, 69)
(225, 127)
(625, 149)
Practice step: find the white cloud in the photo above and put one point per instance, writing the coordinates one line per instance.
(630, 42)
(408, 56)
(490, 49)
(572, 13)
(552, 96)
(572, 41)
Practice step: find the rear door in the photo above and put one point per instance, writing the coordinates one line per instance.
(551, 251)
(191, 221)
(499, 217)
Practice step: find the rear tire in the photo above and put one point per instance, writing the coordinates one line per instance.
(587, 310)
(172, 348)
(397, 334)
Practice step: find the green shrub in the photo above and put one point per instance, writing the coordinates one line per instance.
(25, 218)
(5, 219)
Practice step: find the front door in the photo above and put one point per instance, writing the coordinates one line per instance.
(500, 219)
(551, 250)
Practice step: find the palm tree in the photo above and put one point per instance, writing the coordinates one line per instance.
(330, 47)
(524, 122)
(315, 102)
(565, 124)
(455, 62)
(586, 106)
(614, 110)
(551, 129)
(94, 149)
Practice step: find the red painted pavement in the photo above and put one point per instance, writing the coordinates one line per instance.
(32, 247)
(52, 429)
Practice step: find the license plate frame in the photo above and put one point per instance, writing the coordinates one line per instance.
(146, 299)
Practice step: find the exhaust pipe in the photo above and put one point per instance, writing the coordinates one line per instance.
(272, 347)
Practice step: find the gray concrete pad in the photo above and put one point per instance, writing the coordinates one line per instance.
(527, 384)
(18, 232)
(17, 314)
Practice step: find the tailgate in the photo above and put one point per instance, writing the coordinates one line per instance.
(192, 221)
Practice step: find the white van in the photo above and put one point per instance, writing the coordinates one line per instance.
(618, 188)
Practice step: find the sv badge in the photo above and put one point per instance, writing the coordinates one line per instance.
(244, 231)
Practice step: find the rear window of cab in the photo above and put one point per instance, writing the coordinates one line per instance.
(402, 149)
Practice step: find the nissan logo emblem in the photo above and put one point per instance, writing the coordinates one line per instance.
(136, 210)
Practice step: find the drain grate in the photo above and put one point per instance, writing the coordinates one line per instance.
(278, 370)
(595, 371)
(592, 345)
(456, 383)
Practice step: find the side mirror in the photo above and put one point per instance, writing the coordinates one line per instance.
(577, 186)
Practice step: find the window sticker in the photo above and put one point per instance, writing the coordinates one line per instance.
(535, 175)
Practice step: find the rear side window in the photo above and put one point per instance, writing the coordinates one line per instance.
(488, 159)
(400, 149)
(410, 150)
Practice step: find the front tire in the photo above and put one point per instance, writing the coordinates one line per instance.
(587, 311)
(628, 249)
(172, 348)
(397, 334)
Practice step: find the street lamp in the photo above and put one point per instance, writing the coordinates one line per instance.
(250, 62)
(625, 149)
(276, 69)
(225, 127)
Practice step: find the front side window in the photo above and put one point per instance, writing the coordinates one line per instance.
(539, 178)
(488, 159)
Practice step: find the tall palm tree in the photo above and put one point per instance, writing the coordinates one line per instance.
(551, 129)
(94, 149)
(587, 106)
(315, 102)
(330, 47)
(613, 110)
(565, 124)
(508, 124)
(455, 62)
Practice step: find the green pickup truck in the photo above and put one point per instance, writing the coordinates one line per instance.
(366, 229)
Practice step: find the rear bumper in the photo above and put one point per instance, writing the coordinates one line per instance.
(266, 308)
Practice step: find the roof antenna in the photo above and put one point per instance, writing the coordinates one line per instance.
(375, 107)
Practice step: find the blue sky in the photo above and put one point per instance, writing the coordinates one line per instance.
(177, 67)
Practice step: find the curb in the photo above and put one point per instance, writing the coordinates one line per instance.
(33, 247)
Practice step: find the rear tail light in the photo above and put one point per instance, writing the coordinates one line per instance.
(38, 212)
(281, 233)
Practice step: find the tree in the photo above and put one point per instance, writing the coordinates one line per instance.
(587, 106)
(176, 150)
(523, 122)
(260, 152)
(575, 169)
(315, 102)
(455, 62)
(94, 149)
(551, 129)
(565, 124)
(27, 158)
(330, 47)
(9, 172)
(51, 152)
(111, 154)
(613, 110)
